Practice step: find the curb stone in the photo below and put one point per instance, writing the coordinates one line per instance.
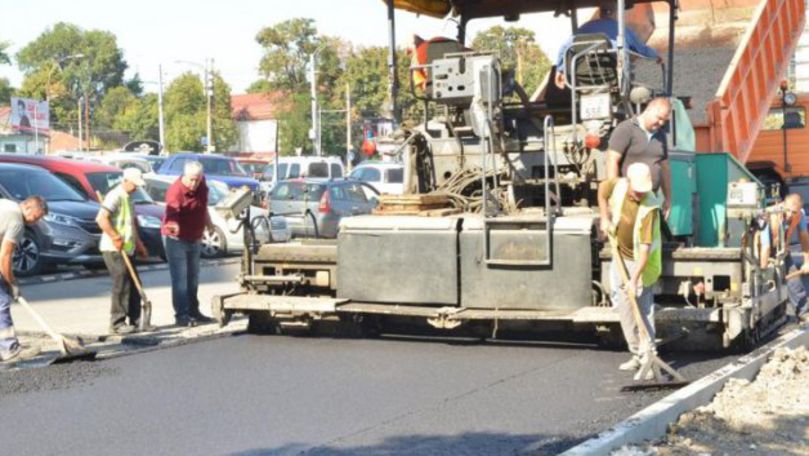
(83, 274)
(652, 422)
(109, 346)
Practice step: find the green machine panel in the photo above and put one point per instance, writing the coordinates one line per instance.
(714, 172)
(683, 193)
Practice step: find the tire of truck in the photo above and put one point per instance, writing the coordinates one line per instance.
(260, 322)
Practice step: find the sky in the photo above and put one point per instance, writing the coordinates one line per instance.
(153, 33)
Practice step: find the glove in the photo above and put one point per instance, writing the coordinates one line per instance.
(14, 289)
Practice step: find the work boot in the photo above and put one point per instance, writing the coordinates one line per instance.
(123, 329)
(185, 322)
(18, 353)
(631, 365)
(202, 319)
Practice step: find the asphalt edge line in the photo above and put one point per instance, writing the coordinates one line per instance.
(653, 421)
(64, 276)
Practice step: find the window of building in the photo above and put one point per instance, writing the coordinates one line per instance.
(10, 148)
(795, 118)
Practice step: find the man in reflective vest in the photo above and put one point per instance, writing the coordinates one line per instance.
(119, 227)
(630, 211)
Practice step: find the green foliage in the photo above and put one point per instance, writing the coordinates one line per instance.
(55, 53)
(4, 57)
(518, 52)
(186, 114)
(294, 123)
(287, 47)
(135, 85)
(6, 91)
(260, 86)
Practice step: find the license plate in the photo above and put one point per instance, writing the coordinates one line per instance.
(595, 106)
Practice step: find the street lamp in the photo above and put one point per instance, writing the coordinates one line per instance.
(56, 63)
(314, 133)
(787, 99)
(207, 69)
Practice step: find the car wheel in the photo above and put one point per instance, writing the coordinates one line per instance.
(27, 259)
(213, 243)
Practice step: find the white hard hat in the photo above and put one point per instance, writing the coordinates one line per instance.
(135, 176)
(640, 177)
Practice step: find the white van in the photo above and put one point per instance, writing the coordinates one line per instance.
(385, 177)
(330, 167)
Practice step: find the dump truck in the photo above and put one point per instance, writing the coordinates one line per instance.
(496, 233)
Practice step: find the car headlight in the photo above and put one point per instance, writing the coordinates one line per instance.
(148, 221)
(62, 219)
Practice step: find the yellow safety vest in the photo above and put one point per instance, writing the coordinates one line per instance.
(649, 203)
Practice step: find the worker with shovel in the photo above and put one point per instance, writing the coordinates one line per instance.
(13, 218)
(120, 237)
(630, 216)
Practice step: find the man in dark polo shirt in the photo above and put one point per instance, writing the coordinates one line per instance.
(642, 140)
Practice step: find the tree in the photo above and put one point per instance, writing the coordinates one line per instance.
(294, 122)
(4, 57)
(6, 91)
(186, 114)
(260, 86)
(287, 47)
(82, 62)
(518, 52)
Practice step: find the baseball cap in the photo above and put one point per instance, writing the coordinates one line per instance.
(135, 176)
(640, 177)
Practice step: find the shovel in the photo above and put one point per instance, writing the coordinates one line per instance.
(145, 304)
(70, 350)
(650, 362)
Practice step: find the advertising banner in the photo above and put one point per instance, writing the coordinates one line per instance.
(29, 116)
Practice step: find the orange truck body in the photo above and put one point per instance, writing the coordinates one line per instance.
(769, 145)
(751, 43)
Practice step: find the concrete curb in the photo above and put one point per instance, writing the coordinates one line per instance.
(652, 422)
(109, 347)
(85, 273)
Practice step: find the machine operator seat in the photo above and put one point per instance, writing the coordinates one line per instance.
(598, 67)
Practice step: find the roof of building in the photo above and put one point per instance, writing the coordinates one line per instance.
(256, 106)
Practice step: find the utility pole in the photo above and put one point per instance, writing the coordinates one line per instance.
(81, 137)
(87, 119)
(314, 134)
(209, 95)
(160, 120)
(348, 123)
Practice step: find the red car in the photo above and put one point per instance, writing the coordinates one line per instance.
(90, 178)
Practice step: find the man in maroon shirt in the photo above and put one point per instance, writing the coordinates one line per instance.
(185, 221)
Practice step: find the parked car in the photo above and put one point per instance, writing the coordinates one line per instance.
(123, 161)
(223, 239)
(156, 161)
(310, 167)
(314, 207)
(89, 179)
(216, 168)
(67, 235)
(254, 167)
(385, 177)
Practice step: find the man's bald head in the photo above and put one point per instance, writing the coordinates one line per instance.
(656, 114)
(793, 202)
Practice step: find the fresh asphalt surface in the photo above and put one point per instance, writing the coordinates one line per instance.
(255, 395)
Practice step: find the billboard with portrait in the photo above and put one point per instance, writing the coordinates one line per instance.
(29, 116)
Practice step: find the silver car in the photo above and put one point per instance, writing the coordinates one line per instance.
(314, 207)
(227, 236)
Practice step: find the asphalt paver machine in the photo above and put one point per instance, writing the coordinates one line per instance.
(518, 252)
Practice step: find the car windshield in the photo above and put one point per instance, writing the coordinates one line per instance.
(104, 181)
(216, 192)
(253, 168)
(320, 169)
(24, 183)
(298, 191)
(396, 175)
(222, 167)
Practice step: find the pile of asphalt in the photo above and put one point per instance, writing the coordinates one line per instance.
(60, 376)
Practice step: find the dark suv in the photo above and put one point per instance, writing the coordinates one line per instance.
(314, 207)
(67, 235)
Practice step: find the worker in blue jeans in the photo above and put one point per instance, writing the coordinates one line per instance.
(13, 218)
(184, 223)
(792, 219)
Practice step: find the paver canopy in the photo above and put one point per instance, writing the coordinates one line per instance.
(470, 9)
